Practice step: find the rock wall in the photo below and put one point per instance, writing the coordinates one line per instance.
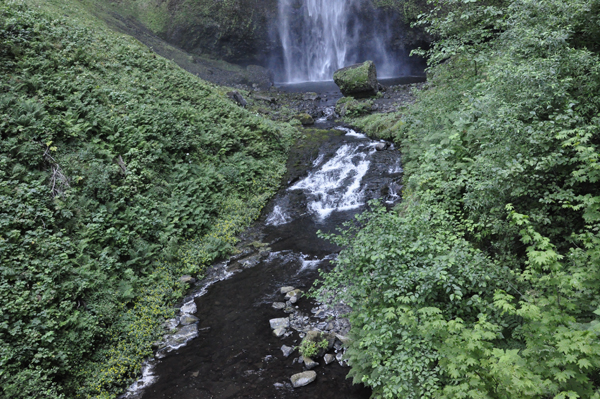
(243, 31)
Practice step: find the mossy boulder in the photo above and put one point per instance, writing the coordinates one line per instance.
(352, 107)
(305, 119)
(357, 80)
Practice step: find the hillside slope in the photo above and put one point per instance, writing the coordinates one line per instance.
(119, 172)
(485, 281)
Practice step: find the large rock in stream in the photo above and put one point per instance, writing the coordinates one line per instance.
(303, 379)
(357, 80)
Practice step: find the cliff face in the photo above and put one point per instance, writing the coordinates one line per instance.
(240, 31)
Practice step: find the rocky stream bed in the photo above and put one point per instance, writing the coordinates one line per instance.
(237, 332)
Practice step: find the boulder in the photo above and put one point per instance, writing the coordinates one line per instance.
(329, 358)
(382, 146)
(303, 379)
(283, 322)
(187, 280)
(293, 293)
(279, 332)
(287, 350)
(278, 305)
(305, 119)
(357, 80)
(285, 290)
(237, 97)
(309, 363)
(187, 320)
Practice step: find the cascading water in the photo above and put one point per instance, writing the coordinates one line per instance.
(322, 44)
(320, 36)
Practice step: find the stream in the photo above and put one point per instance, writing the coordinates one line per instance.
(231, 351)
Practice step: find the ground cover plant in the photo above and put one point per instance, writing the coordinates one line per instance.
(485, 281)
(119, 172)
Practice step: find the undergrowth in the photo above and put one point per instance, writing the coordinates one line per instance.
(485, 281)
(119, 172)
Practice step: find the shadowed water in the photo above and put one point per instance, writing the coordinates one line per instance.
(231, 352)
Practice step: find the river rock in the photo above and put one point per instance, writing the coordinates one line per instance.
(278, 305)
(279, 332)
(187, 280)
(357, 80)
(303, 379)
(287, 350)
(343, 339)
(305, 119)
(285, 290)
(283, 322)
(309, 363)
(329, 358)
(291, 294)
(187, 320)
(237, 97)
(381, 146)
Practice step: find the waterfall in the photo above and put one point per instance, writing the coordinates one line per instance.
(320, 36)
(319, 46)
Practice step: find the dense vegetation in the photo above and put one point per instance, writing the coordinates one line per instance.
(485, 281)
(119, 172)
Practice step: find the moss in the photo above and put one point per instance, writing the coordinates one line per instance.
(305, 119)
(357, 79)
(351, 107)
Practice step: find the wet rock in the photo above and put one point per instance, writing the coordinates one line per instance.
(278, 305)
(279, 332)
(293, 293)
(278, 323)
(343, 339)
(382, 146)
(303, 379)
(287, 350)
(358, 79)
(309, 363)
(181, 336)
(293, 299)
(237, 97)
(285, 290)
(329, 358)
(187, 320)
(340, 358)
(187, 280)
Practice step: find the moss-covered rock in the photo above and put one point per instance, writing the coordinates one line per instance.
(358, 79)
(305, 119)
(351, 107)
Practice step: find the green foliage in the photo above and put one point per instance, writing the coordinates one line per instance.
(310, 348)
(119, 172)
(484, 282)
(351, 107)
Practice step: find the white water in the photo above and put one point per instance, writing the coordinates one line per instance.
(322, 46)
(321, 36)
(335, 186)
(278, 217)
